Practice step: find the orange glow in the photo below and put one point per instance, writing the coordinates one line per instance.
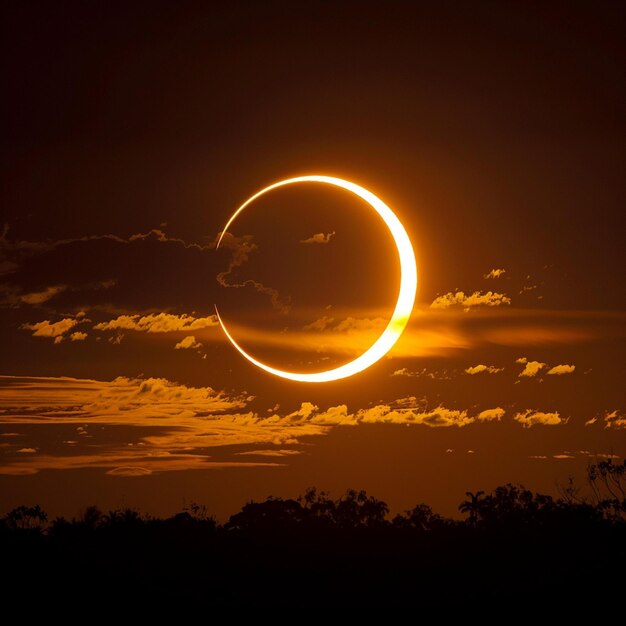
(406, 295)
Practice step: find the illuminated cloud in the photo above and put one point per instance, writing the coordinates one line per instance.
(158, 323)
(78, 336)
(335, 416)
(433, 332)
(319, 238)
(476, 299)
(591, 421)
(276, 453)
(563, 456)
(153, 423)
(435, 418)
(614, 419)
(479, 369)
(531, 368)
(187, 343)
(403, 371)
(530, 418)
(490, 415)
(157, 425)
(494, 273)
(26, 451)
(559, 370)
(53, 330)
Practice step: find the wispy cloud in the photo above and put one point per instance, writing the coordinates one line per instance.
(559, 370)
(433, 332)
(277, 453)
(241, 249)
(52, 330)
(530, 418)
(39, 297)
(188, 343)
(319, 238)
(494, 273)
(151, 423)
(480, 369)
(614, 419)
(422, 373)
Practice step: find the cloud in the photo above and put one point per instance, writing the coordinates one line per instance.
(563, 456)
(26, 451)
(591, 421)
(423, 373)
(490, 415)
(158, 323)
(152, 423)
(530, 418)
(403, 371)
(158, 425)
(187, 343)
(494, 273)
(614, 419)
(488, 369)
(320, 324)
(319, 238)
(559, 370)
(51, 329)
(39, 297)
(78, 336)
(476, 299)
(129, 471)
(335, 416)
(242, 248)
(531, 369)
(435, 418)
(276, 453)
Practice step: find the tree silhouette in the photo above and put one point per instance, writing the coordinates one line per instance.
(608, 484)
(30, 518)
(344, 551)
(473, 506)
(420, 517)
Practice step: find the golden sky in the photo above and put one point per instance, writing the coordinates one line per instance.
(495, 135)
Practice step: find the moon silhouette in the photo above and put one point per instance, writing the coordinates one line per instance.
(406, 294)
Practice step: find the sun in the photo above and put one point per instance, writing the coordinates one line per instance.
(406, 294)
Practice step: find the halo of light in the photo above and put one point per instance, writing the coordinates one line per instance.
(406, 293)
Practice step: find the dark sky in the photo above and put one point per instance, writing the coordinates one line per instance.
(132, 131)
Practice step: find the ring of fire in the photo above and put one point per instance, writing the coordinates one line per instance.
(406, 293)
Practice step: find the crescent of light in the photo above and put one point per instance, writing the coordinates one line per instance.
(406, 295)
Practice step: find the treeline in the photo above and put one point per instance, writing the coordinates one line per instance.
(333, 552)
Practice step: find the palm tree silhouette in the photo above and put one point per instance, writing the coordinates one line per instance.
(472, 506)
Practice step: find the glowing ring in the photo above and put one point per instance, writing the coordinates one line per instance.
(406, 295)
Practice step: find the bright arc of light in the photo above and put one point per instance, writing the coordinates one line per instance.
(406, 294)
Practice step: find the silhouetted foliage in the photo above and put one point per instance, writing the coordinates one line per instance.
(30, 518)
(608, 484)
(335, 552)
